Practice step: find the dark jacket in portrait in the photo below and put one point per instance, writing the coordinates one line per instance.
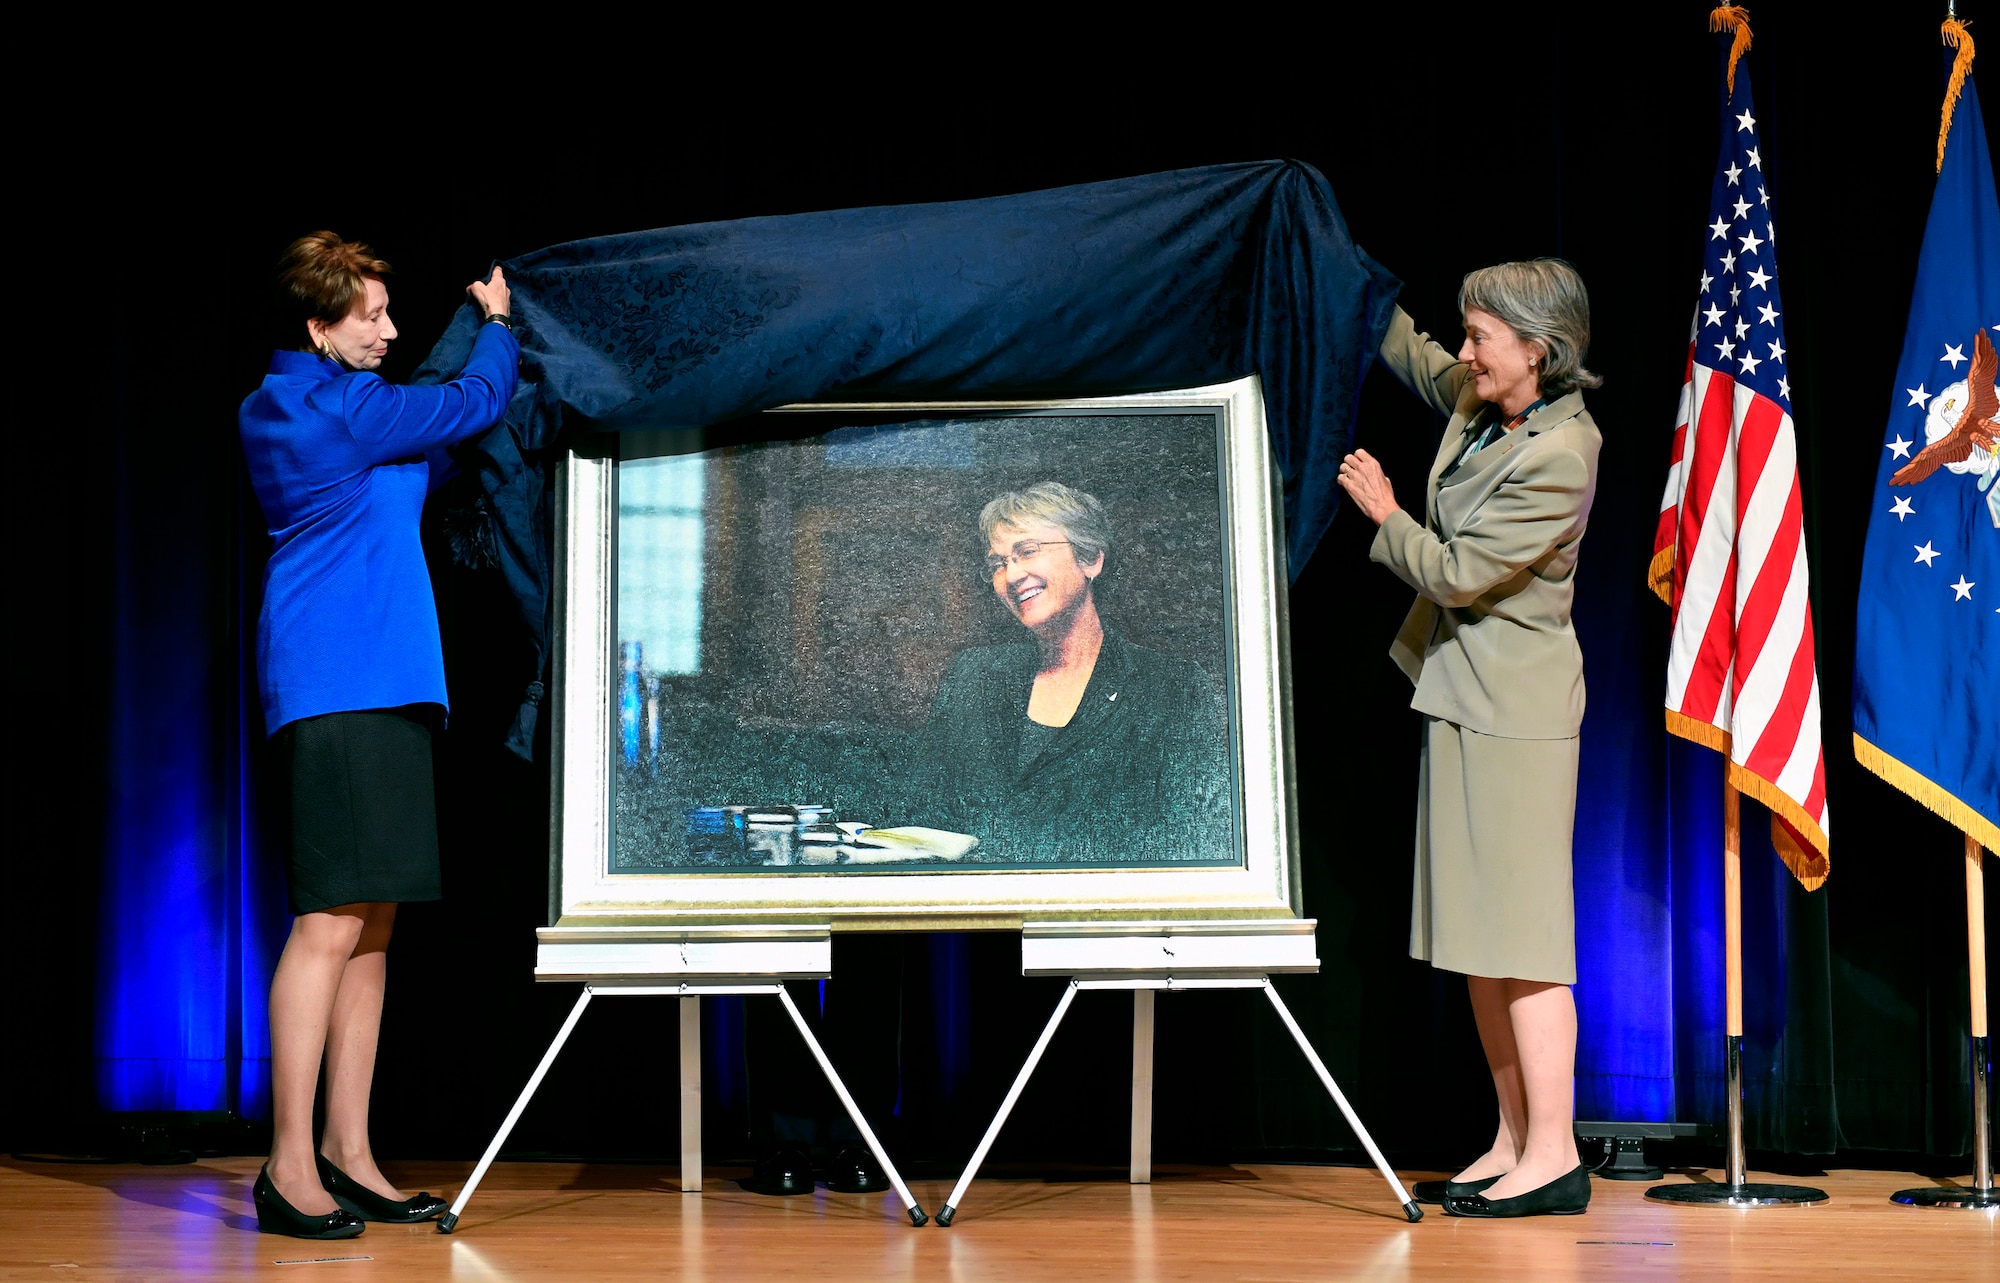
(1140, 775)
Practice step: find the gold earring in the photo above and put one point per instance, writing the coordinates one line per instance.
(326, 350)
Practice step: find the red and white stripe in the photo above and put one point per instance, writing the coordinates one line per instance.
(1729, 556)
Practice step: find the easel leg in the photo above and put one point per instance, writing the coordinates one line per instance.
(690, 1095)
(1410, 1208)
(950, 1208)
(917, 1216)
(1142, 1086)
(449, 1221)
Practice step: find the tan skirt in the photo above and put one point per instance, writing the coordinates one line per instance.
(1493, 892)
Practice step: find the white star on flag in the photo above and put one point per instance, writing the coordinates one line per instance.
(1720, 228)
(1899, 448)
(1713, 315)
(1759, 277)
(1963, 588)
(1736, 171)
(1729, 265)
(1741, 207)
(1764, 198)
(1902, 509)
(1706, 281)
(1745, 121)
(1756, 161)
(1785, 388)
(1750, 363)
(1927, 554)
(1777, 352)
(1725, 349)
(1918, 396)
(1954, 355)
(1750, 242)
(1742, 327)
(1768, 314)
(1735, 295)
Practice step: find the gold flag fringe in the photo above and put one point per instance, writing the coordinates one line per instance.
(1955, 37)
(1953, 808)
(1660, 574)
(1808, 863)
(1732, 17)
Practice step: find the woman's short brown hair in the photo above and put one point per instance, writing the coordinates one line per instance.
(324, 278)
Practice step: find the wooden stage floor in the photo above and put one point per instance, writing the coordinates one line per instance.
(1256, 1221)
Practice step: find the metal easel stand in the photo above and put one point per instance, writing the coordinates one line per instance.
(1147, 958)
(688, 963)
(1737, 1192)
(1981, 1194)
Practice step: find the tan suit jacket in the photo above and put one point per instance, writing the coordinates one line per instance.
(1489, 642)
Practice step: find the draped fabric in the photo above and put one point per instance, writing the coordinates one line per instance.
(1165, 280)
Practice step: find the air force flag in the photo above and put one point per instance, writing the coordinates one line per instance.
(1927, 640)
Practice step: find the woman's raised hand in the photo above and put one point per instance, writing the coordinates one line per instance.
(1367, 485)
(492, 296)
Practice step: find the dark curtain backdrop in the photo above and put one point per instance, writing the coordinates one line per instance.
(147, 901)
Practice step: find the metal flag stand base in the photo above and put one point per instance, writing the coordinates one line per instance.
(686, 963)
(1981, 1195)
(1147, 958)
(1737, 1192)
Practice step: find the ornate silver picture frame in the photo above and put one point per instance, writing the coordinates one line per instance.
(795, 656)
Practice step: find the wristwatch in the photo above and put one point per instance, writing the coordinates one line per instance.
(503, 319)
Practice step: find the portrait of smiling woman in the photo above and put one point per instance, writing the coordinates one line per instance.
(1074, 744)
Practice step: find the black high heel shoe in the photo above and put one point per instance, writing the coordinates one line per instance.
(1438, 1191)
(276, 1216)
(370, 1206)
(1566, 1195)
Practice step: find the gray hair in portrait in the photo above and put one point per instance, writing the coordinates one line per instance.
(1543, 301)
(1051, 503)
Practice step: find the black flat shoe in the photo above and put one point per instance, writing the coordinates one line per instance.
(853, 1171)
(276, 1216)
(1566, 1195)
(370, 1206)
(1438, 1191)
(785, 1170)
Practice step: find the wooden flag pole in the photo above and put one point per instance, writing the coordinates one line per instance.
(1736, 1190)
(1975, 927)
(1981, 1194)
(1982, 1059)
(1732, 951)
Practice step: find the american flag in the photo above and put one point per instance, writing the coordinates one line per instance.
(1729, 554)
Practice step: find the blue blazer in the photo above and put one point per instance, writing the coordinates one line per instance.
(341, 463)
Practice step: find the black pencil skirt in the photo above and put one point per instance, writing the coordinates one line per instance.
(363, 811)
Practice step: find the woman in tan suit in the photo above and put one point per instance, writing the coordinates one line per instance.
(1499, 681)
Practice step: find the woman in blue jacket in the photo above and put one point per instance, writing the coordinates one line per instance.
(352, 676)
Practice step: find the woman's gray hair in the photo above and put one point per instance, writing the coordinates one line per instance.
(1052, 503)
(1543, 301)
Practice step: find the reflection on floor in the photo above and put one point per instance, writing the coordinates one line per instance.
(1261, 1221)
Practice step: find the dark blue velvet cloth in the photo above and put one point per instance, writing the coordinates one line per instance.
(1165, 280)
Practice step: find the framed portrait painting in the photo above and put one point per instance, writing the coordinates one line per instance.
(925, 665)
